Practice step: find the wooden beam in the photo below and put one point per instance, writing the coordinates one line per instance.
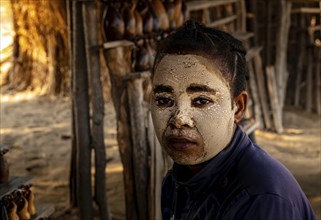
(222, 21)
(314, 28)
(120, 43)
(306, 10)
(251, 53)
(304, 1)
(199, 5)
(243, 36)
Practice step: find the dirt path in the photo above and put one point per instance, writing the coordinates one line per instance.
(38, 130)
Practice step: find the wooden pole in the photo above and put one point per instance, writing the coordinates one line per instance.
(138, 125)
(81, 98)
(268, 41)
(318, 80)
(73, 160)
(254, 93)
(281, 51)
(262, 90)
(275, 106)
(97, 103)
(302, 54)
(160, 164)
(118, 60)
(309, 83)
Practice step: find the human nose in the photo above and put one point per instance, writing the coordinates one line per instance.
(181, 118)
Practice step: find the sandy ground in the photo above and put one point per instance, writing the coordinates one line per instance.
(38, 130)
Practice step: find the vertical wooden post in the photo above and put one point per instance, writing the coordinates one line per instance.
(309, 83)
(97, 100)
(139, 146)
(118, 60)
(281, 51)
(262, 90)
(73, 160)
(254, 93)
(302, 54)
(275, 106)
(160, 164)
(242, 17)
(81, 98)
(318, 80)
(268, 40)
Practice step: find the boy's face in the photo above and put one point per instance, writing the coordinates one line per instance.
(191, 108)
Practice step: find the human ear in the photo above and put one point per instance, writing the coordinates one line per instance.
(241, 105)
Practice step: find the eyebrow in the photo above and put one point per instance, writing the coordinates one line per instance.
(200, 88)
(163, 88)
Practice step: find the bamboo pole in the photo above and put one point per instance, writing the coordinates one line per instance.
(81, 98)
(97, 103)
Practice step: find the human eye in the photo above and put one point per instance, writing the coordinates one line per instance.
(164, 101)
(201, 102)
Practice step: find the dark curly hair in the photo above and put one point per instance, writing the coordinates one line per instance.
(221, 48)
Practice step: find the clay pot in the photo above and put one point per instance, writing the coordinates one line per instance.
(4, 167)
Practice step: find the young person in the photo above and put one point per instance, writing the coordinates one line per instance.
(198, 99)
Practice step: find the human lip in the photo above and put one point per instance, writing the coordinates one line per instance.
(180, 142)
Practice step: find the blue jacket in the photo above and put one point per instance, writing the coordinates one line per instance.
(241, 182)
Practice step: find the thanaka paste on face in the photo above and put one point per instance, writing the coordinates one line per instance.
(212, 126)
